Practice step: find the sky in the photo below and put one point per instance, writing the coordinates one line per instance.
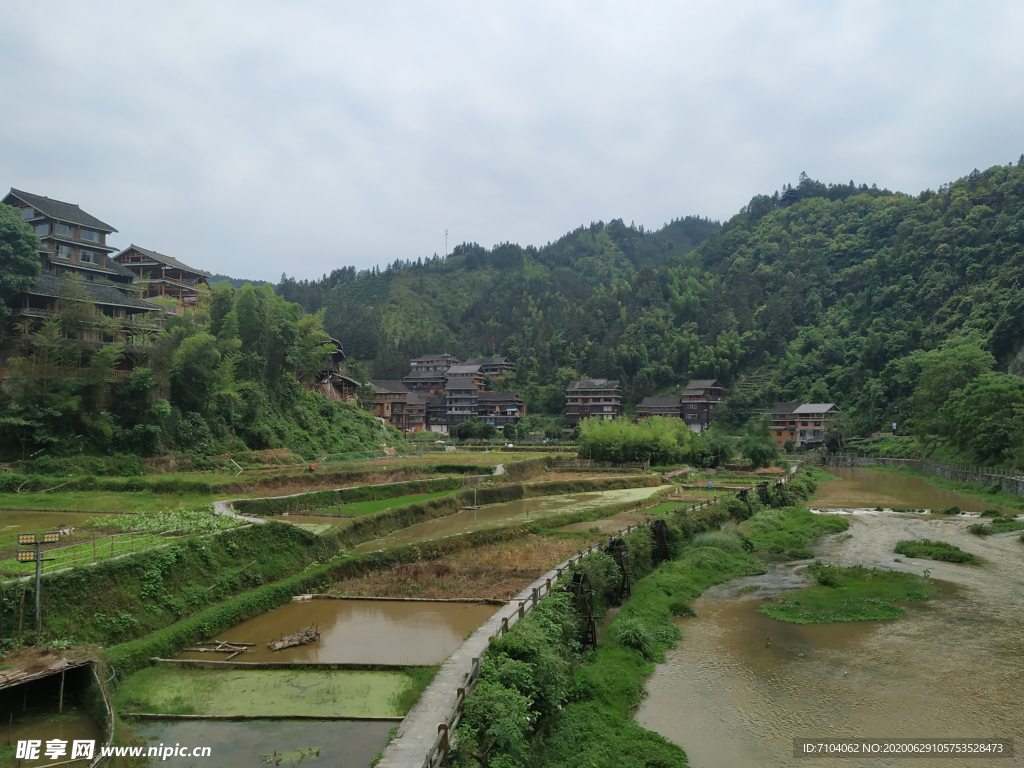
(254, 138)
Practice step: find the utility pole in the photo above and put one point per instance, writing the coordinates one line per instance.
(446, 244)
(28, 556)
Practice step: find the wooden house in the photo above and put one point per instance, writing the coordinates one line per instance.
(73, 244)
(163, 276)
(495, 367)
(592, 397)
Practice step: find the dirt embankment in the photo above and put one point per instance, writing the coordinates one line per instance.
(496, 571)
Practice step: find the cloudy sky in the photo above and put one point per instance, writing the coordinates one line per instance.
(251, 138)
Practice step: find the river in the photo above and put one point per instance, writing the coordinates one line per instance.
(952, 666)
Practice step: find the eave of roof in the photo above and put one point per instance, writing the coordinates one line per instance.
(49, 284)
(169, 261)
(61, 211)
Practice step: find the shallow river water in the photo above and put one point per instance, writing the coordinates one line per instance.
(740, 686)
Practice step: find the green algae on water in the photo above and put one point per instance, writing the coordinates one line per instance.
(270, 693)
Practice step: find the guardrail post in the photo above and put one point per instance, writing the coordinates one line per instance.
(549, 585)
(535, 596)
(522, 609)
(504, 624)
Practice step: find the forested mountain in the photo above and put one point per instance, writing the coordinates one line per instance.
(825, 293)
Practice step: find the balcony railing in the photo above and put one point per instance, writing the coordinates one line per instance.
(61, 372)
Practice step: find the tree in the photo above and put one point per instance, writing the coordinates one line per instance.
(986, 417)
(944, 370)
(473, 429)
(19, 259)
(757, 444)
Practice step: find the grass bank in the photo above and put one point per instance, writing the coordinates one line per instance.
(999, 524)
(789, 530)
(853, 593)
(935, 550)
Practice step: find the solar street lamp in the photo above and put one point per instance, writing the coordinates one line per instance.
(36, 556)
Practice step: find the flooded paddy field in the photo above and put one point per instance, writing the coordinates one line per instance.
(358, 632)
(521, 510)
(740, 686)
(262, 742)
(607, 525)
(498, 571)
(268, 692)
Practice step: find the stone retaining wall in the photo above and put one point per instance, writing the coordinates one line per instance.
(1009, 482)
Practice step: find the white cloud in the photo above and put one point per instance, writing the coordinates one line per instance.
(253, 138)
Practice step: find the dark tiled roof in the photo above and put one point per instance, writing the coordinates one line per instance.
(466, 383)
(168, 260)
(49, 284)
(814, 407)
(659, 402)
(593, 384)
(703, 384)
(498, 396)
(414, 398)
(445, 358)
(455, 370)
(784, 408)
(55, 209)
(424, 375)
(487, 361)
(388, 385)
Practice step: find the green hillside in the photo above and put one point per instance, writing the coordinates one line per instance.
(839, 296)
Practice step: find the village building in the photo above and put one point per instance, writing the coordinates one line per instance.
(389, 402)
(495, 367)
(813, 422)
(440, 362)
(425, 381)
(695, 405)
(592, 397)
(669, 407)
(783, 418)
(163, 276)
(449, 392)
(699, 399)
(806, 424)
(436, 412)
(73, 244)
(500, 408)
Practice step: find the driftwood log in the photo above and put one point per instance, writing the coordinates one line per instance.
(302, 637)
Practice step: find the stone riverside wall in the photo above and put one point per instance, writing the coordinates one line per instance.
(1010, 482)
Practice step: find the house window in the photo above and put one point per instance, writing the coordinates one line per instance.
(803, 433)
(803, 423)
(817, 433)
(92, 237)
(64, 251)
(89, 257)
(778, 432)
(27, 213)
(64, 229)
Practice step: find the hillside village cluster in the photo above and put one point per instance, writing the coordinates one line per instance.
(139, 286)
